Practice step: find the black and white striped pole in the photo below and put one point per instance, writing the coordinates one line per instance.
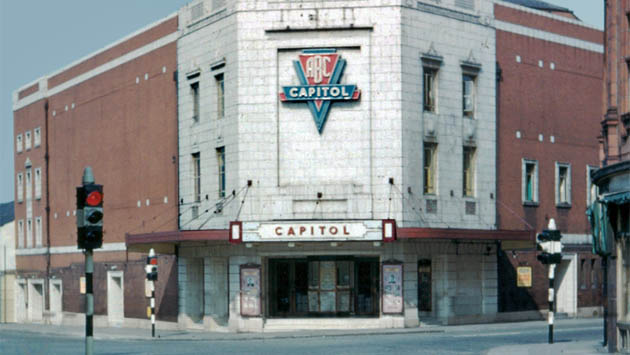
(551, 247)
(552, 269)
(89, 237)
(151, 270)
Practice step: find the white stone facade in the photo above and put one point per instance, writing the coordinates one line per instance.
(365, 165)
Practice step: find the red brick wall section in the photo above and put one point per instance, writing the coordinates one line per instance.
(29, 90)
(564, 103)
(526, 19)
(127, 133)
(28, 119)
(144, 38)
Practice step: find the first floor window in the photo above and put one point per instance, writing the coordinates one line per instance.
(468, 95)
(221, 166)
(430, 150)
(20, 187)
(469, 172)
(194, 92)
(563, 184)
(196, 165)
(20, 233)
(220, 96)
(429, 89)
(530, 180)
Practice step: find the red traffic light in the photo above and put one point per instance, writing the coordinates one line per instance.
(153, 261)
(94, 198)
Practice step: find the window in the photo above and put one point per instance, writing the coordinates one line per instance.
(18, 143)
(430, 150)
(20, 187)
(38, 183)
(469, 172)
(29, 185)
(582, 274)
(429, 89)
(563, 184)
(27, 140)
(29, 233)
(530, 181)
(221, 166)
(38, 231)
(591, 189)
(593, 275)
(37, 137)
(196, 164)
(468, 95)
(220, 96)
(21, 233)
(194, 92)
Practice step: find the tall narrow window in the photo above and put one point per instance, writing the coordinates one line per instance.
(38, 183)
(18, 143)
(20, 187)
(21, 233)
(194, 92)
(29, 233)
(429, 89)
(468, 95)
(38, 231)
(220, 96)
(196, 165)
(221, 166)
(469, 172)
(27, 140)
(563, 184)
(530, 181)
(37, 137)
(29, 185)
(430, 157)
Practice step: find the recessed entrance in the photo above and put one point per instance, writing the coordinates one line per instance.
(323, 287)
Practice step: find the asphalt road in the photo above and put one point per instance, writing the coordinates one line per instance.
(466, 340)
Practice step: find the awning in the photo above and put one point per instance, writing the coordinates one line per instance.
(618, 198)
(164, 242)
(510, 239)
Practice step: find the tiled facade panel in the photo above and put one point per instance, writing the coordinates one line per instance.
(455, 41)
(198, 51)
(125, 129)
(533, 19)
(537, 102)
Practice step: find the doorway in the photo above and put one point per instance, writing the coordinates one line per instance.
(323, 287)
(424, 286)
(115, 297)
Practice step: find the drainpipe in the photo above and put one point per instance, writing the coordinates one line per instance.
(47, 185)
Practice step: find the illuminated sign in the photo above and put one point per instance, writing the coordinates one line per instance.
(319, 72)
(312, 231)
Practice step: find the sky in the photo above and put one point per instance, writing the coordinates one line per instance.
(38, 37)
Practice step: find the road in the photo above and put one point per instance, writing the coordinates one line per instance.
(445, 340)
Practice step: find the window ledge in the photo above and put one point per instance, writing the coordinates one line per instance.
(530, 203)
(563, 205)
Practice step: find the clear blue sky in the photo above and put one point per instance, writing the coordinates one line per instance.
(39, 37)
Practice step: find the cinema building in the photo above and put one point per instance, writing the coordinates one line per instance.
(322, 183)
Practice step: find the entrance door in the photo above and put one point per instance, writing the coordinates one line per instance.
(367, 287)
(289, 286)
(424, 285)
(115, 298)
(323, 287)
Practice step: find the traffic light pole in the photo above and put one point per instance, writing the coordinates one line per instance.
(89, 302)
(552, 270)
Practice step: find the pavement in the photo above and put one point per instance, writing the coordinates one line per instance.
(143, 334)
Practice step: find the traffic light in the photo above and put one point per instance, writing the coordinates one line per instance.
(90, 216)
(548, 241)
(152, 266)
